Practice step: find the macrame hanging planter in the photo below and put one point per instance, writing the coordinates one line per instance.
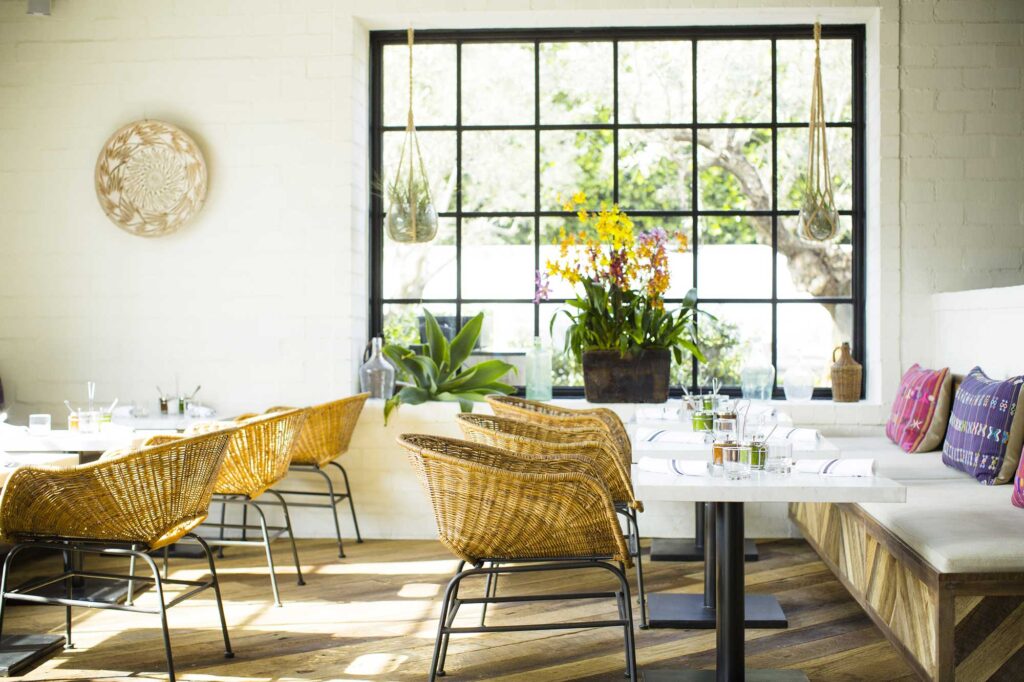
(819, 220)
(412, 217)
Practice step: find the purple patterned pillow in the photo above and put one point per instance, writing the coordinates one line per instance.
(985, 429)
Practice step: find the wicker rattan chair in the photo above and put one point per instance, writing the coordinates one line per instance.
(125, 506)
(507, 513)
(258, 455)
(324, 438)
(562, 424)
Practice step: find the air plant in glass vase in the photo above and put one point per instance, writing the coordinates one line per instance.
(619, 326)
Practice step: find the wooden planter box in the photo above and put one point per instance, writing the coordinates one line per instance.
(608, 377)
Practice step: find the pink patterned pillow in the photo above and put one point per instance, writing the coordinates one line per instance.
(920, 411)
(1018, 485)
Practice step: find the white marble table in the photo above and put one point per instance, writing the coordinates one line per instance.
(727, 498)
(9, 462)
(13, 439)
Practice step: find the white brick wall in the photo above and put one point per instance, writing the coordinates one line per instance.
(263, 298)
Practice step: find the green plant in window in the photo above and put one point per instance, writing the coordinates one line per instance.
(441, 374)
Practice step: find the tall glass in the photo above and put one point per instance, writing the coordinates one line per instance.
(779, 457)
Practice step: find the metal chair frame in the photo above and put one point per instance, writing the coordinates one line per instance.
(72, 548)
(452, 602)
(333, 498)
(269, 533)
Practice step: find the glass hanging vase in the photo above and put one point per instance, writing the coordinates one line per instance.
(819, 219)
(411, 214)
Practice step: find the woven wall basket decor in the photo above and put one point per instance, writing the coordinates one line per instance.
(150, 178)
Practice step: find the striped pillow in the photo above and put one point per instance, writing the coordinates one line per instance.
(986, 428)
(920, 411)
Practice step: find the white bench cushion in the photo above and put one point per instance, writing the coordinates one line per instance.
(957, 526)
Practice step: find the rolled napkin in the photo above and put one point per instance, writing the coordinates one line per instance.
(670, 436)
(794, 435)
(679, 467)
(836, 467)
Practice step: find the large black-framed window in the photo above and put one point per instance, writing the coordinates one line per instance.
(695, 129)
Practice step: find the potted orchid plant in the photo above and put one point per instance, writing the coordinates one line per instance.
(619, 327)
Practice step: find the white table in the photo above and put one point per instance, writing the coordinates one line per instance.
(19, 440)
(728, 498)
(9, 462)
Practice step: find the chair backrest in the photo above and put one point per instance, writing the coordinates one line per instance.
(259, 452)
(534, 438)
(555, 415)
(328, 430)
(152, 495)
(492, 504)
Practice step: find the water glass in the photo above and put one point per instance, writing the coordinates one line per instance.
(39, 424)
(88, 421)
(779, 459)
(736, 461)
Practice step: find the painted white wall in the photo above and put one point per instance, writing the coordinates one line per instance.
(963, 330)
(262, 299)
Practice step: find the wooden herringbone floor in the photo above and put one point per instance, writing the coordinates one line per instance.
(373, 615)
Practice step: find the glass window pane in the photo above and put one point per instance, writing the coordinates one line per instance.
(655, 167)
(438, 149)
(794, 60)
(739, 330)
(404, 322)
(734, 81)
(433, 84)
(564, 368)
(497, 170)
(734, 257)
(572, 161)
(793, 166)
(549, 252)
(426, 270)
(497, 83)
(809, 269)
(735, 169)
(497, 258)
(576, 84)
(680, 263)
(656, 81)
(507, 328)
(808, 332)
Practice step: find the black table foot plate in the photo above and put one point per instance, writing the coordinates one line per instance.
(709, 676)
(687, 611)
(667, 549)
(21, 653)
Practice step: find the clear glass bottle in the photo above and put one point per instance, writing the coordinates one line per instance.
(377, 375)
(538, 371)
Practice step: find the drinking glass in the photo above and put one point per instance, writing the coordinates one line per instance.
(779, 458)
(725, 427)
(88, 421)
(736, 461)
(39, 424)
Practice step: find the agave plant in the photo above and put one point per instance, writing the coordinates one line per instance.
(440, 373)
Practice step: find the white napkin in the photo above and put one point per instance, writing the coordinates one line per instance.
(836, 467)
(649, 435)
(794, 435)
(680, 467)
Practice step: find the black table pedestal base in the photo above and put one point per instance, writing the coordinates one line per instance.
(687, 611)
(687, 549)
(709, 676)
(21, 653)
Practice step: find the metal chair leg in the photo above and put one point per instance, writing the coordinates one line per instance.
(8, 561)
(641, 592)
(450, 620)
(351, 502)
(223, 520)
(228, 653)
(291, 536)
(167, 562)
(490, 590)
(158, 582)
(334, 511)
(69, 593)
(620, 573)
(270, 557)
(130, 598)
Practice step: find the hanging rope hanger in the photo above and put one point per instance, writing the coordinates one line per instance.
(819, 219)
(412, 217)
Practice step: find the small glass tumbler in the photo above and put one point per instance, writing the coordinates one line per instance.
(88, 421)
(736, 461)
(779, 458)
(39, 424)
(702, 420)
